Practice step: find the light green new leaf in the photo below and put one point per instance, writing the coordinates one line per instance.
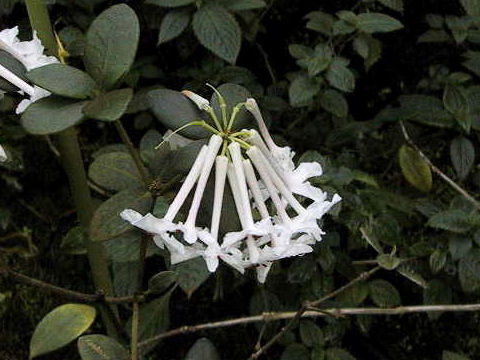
(170, 3)
(462, 155)
(173, 24)
(63, 80)
(59, 327)
(101, 347)
(415, 169)
(218, 31)
(377, 23)
(340, 76)
(203, 349)
(111, 45)
(51, 115)
(115, 171)
(109, 106)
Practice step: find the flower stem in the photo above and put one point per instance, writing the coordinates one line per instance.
(134, 340)
(133, 152)
(71, 157)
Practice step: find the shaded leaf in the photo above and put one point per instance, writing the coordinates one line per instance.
(203, 349)
(170, 3)
(462, 155)
(454, 220)
(469, 271)
(415, 169)
(302, 90)
(338, 354)
(335, 103)
(109, 106)
(161, 282)
(377, 22)
(383, 293)
(191, 274)
(173, 24)
(101, 347)
(311, 334)
(73, 243)
(340, 76)
(295, 352)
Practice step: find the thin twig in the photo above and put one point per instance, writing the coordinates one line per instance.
(134, 340)
(82, 297)
(437, 171)
(269, 317)
(307, 305)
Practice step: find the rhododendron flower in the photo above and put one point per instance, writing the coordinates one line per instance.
(261, 176)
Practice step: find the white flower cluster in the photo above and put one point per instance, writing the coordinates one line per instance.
(261, 175)
(30, 54)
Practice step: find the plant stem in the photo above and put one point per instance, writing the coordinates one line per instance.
(133, 152)
(72, 161)
(134, 340)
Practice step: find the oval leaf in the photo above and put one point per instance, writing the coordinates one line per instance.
(203, 349)
(173, 24)
(415, 169)
(63, 80)
(111, 45)
(218, 31)
(462, 154)
(60, 326)
(383, 293)
(161, 282)
(233, 94)
(170, 3)
(377, 22)
(101, 347)
(110, 106)
(51, 115)
(15, 66)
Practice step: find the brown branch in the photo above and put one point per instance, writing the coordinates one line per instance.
(79, 296)
(437, 171)
(269, 317)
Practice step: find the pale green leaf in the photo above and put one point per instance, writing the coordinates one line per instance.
(101, 347)
(415, 169)
(203, 349)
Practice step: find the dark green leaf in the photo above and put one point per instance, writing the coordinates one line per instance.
(125, 276)
(393, 4)
(353, 296)
(51, 115)
(415, 169)
(455, 101)
(454, 220)
(59, 327)
(115, 171)
(170, 3)
(320, 21)
(469, 271)
(472, 7)
(383, 293)
(242, 5)
(101, 347)
(63, 80)
(311, 334)
(218, 31)
(15, 66)
(302, 90)
(301, 270)
(426, 110)
(338, 354)
(161, 282)
(437, 293)
(437, 260)
(111, 45)
(203, 349)
(462, 155)
(340, 76)
(74, 242)
(173, 24)
(109, 106)
(377, 22)
(335, 103)
(295, 352)
(191, 274)
(459, 246)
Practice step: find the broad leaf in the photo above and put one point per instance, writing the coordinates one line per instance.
(462, 155)
(455, 101)
(469, 271)
(415, 169)
(233, 94)
(338, 354)
(109, 106)
(111, 45)
(393, 4)
(101, 347)
(173, 24)
(61, 326)
(311, 334)
(383, 293)
(335, 103)
(51, 115)
(472, 7)
(377, 22)
(218, 31)
(454, 220)
(15, 66)
(426, 110)
(170, 3)
(161, 282)
(64, 80)
(302, 90)
(437, 292)
(340, 76)
(73, 243)
(191, 274)
(295, 352)
(242, 5)
(203, 349)
(115, 171)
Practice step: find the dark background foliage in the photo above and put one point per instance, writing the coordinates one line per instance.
(355, 133)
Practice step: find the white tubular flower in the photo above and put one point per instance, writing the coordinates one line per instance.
(30, 54)
(3, 154)
(201, 102)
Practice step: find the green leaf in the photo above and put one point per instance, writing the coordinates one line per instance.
(51, 115)
(458, 26)
(340, 76)
(154, 317)
(396, 5)
(462, 155)
(173, 24)
(242, 5)
(107, 223)
(302, 90)
(437, 260)
(448, 355)
(459, 246)
(335, 103)
(387, 261)
(109, 106)
(299, 51)
(10, 62)
(377, 23)
(161, 282)
(73, 39)
(126, 247)
(101, 347)
(203, 349)
(454, 220)
(383, 293)
(472, 8)
(191, 274)
(415, 169)
(354, 295)
(115, 171)
(412, 275)
(218, 31)
(126, 276)
(73, 243)
(369, 48)
(59, 327)
(170, 3)
(426, 110)
(111, 45)
(437, 293)
(295, 352)
(456, 102)
(301, 270)
(233, 94)
(63, 80)
(320, 21)
(173, 109)
(469, 271)
(311, 334)
(338, 354)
